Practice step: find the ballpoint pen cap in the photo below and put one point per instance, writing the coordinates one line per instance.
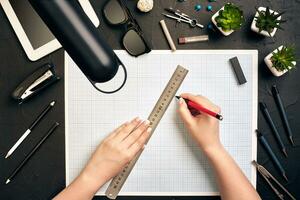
(220, 117)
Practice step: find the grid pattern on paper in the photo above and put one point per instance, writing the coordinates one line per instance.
(171, 163)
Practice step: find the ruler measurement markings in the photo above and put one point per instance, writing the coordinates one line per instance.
(154, 118)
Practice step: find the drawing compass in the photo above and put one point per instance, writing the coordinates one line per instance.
(182, 17)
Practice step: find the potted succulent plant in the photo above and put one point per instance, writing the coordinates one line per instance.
(266, 21)
(281, 60)
(228, 19)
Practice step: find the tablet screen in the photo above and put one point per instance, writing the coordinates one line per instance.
(35, 29)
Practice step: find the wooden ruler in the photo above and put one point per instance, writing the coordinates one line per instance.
(156, 115)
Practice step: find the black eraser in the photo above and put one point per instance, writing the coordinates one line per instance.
(238, 70)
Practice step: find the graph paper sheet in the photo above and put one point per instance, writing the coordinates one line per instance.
(171, 164)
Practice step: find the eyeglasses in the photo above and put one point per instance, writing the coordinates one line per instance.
(117, 13)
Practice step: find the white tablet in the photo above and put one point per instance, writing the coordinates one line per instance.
(33, 34)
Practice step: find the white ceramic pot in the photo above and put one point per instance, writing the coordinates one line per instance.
(265, 33)
(269, 63)
(213, 19)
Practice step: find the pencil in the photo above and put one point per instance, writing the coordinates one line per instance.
(279, 102)
(200, 108)
(28, 131)
(51, 130)
(266, 145)
(267, 115)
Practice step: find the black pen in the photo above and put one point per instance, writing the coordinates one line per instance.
(51, 130)
(263, 107)
(28, 131)
(265, 143)
(278, 100)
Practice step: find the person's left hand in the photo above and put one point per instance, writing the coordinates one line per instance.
(115, 151)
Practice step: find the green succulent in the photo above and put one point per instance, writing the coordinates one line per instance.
(284, 59)
(231, 18)
(267, 20)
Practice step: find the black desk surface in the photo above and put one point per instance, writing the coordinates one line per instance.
(43, 176)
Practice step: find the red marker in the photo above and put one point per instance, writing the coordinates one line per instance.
(195, 106)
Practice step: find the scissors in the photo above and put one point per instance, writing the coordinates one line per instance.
(182, 17)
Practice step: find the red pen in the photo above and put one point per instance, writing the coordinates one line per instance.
(199, 108)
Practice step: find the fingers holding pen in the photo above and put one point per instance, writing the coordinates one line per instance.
(184, 112)
(202, 101)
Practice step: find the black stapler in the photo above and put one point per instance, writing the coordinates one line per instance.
(39, 80)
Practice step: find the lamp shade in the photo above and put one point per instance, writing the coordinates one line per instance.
(79, 37)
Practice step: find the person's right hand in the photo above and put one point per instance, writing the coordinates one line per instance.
(203, 128)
